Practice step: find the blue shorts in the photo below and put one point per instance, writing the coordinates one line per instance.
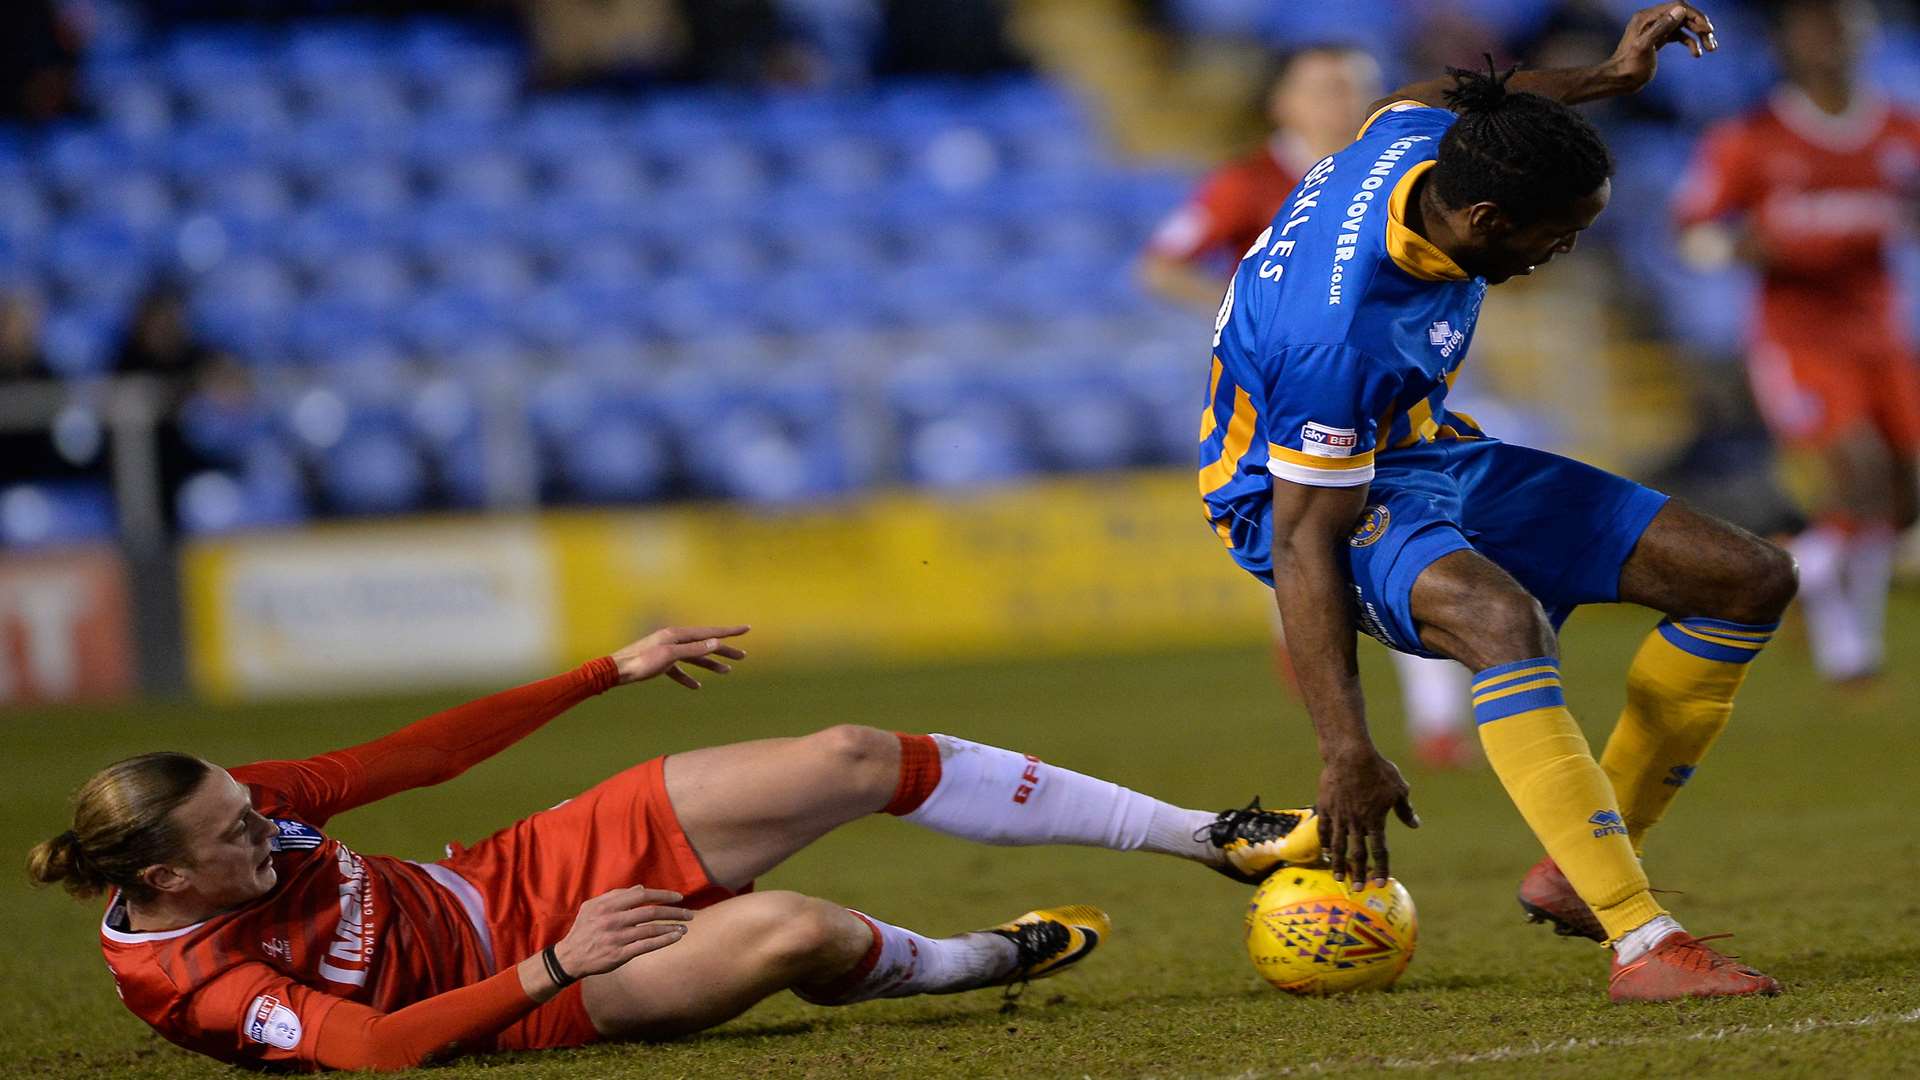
(1562, 528)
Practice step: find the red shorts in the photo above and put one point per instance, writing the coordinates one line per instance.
(534, 875)
(1810, 395)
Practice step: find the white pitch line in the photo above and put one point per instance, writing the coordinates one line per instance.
(1567, 1046)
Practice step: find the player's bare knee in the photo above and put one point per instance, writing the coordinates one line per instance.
(805, 934)
(863, 758)
(1509, 625)
(1769, 582)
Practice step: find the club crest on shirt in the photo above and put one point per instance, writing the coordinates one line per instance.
(295, 836)
(1373, 525)
(1322, 441)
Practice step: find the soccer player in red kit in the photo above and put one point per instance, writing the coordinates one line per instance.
(236, 927)
(1812, 189)
(1317, 101)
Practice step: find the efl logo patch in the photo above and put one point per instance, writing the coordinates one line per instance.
(272, 1024)
(1323, 441)
(294, 836)
(1679, 775)
(1373, 525)
(1608, 822)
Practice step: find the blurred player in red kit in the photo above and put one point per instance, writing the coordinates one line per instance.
(1316, 103)
(1813, 189)
(237, 927)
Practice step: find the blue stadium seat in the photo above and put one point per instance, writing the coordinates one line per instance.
(140, 201)
(375, 277)
(75, 158)
(258, 108)
(608, 176)
(80, 341)
(196, 62)
(834, 163)
(335, 140)
(683, 306)
(497, 272)
(483, 352)
(598, 442)
(444, 418)
(374, 469)
(25, 220)
(200, 149)
(561, 315)
(612, 457)
(221, 502)
(447, 322)
(972, 446)
(1893, 61)
(374, 187)
(374, 97)
(853, 245)
(247, 305)
(248, 195)
(223, 430)
(44, 515)
(487, 180)
(322, 331)
(603, 261)
(137, 109)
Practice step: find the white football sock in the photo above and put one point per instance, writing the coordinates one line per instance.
(1867, 578)
(1839, 642)
(906, 963)
(995, 796)
(1435, 693)
(1635, 942)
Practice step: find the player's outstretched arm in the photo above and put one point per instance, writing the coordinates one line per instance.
(1358, 787)
(1631, 66)
(446, 744)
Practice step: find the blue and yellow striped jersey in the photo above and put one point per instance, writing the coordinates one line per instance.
(1341, 330)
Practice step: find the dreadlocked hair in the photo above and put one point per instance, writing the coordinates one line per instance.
(1527, 154)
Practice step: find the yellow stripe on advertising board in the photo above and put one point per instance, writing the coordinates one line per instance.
(1061, 566)
(1080, 564)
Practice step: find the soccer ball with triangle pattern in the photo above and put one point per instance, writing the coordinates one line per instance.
(1310, 934)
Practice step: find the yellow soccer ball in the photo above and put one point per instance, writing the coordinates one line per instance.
(1310, 934)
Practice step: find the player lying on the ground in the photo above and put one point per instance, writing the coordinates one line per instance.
(1334, 471)
(236, 928)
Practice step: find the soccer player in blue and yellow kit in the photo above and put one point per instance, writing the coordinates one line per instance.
(1334, 471)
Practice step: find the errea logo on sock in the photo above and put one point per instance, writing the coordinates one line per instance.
(1609, 823)
(1679, 775)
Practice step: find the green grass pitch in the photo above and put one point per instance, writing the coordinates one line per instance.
(1799, 834)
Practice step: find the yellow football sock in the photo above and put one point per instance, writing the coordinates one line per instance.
(1543, 761)
(1679, 694)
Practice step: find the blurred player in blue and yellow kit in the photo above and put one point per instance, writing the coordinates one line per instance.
(1333, 470)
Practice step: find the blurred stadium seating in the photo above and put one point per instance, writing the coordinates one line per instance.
(697, 292)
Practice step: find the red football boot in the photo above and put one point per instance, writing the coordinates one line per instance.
(1682, 966)
(1547, 896)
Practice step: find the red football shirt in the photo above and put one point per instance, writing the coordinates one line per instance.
(1825, 197)
(255, 984)
(1227, 213)
(341, 931)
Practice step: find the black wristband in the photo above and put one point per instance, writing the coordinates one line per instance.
(554, 971)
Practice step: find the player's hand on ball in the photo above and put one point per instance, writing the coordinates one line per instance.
(1636, 58)
(1355, 795)
(663, 651)
(617, 926)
